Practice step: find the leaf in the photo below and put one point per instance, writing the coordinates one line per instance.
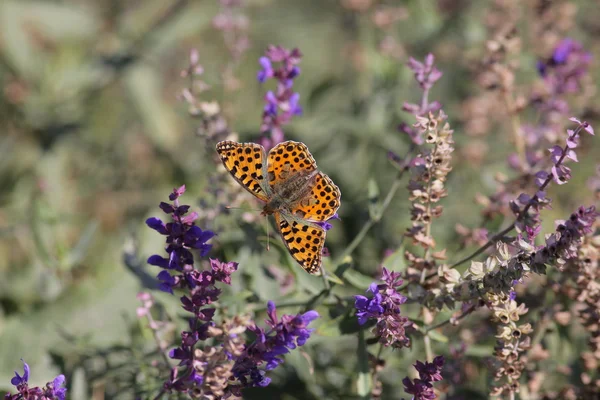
(22, 21)
(349, 325)
(319, 91)
(437, 336)
(77, 253)
(396, 260)
(145, 87)
(357, 279)
(364, 381)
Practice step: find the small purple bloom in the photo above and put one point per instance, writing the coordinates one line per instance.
(384, 306)
(182, 235)
(267, 70)
(52, 390)
(167, 282)
(18, 379)
(564, 71)
(285, 334)
(422, 388)
(425, 72)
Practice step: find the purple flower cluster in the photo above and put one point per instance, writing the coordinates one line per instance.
(384, 306)
(52, 390)
(282, 104)
(238, 363)
(284, 335)
(564, 70)
(564, 243)
(527, 207)
(182, 236)
(429, 372)
(426, 74)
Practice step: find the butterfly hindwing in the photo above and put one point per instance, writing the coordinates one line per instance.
(323, 202)
(303, 239)
(246, 162)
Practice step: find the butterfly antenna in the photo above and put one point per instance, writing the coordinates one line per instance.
(241, 208)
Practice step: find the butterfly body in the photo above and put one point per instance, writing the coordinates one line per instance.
(295, 192)
(287, 194)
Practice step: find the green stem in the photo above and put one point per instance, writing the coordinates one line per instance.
(439, 325)
(428, 351)
(373, 220)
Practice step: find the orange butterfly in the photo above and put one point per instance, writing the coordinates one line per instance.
(295, 192)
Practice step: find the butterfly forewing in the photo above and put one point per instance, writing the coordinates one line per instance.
(304, 241)
(246, 163)
(287, 158)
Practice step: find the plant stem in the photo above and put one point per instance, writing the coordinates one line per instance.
(428, 351)
(439, 325)
(373, 220)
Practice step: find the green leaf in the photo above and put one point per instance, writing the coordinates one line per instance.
(396, 260)
(349, 325)
(358, 280)
(437, 336)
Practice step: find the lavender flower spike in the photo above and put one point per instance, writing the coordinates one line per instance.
(384, 306)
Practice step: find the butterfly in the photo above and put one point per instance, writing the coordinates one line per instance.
(294, 191)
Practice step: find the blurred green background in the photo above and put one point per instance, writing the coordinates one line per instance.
(93, 137)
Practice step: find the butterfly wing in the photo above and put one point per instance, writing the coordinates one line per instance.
(287, 158)
(323, 201)
(246, 163)
(303, 239)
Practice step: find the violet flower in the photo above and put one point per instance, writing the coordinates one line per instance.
(283, 103)
(429, 372)
(564, 70)
(284, 335)
(426, 74)
(384, 306)
(52, 390)
(527, 208)
(182, 236)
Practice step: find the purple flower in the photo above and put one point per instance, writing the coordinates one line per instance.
(422, 388)
(563, 72)
(267, 70)
(222, 271)
(182, 235)
(384, 306)
(285, 334)
(52, 390)
(283, 103)
(325, 224)
(19, 380)
(430, 372)
(426, 72)
(368, 308)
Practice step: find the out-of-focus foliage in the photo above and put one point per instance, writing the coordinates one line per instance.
(93, 135)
